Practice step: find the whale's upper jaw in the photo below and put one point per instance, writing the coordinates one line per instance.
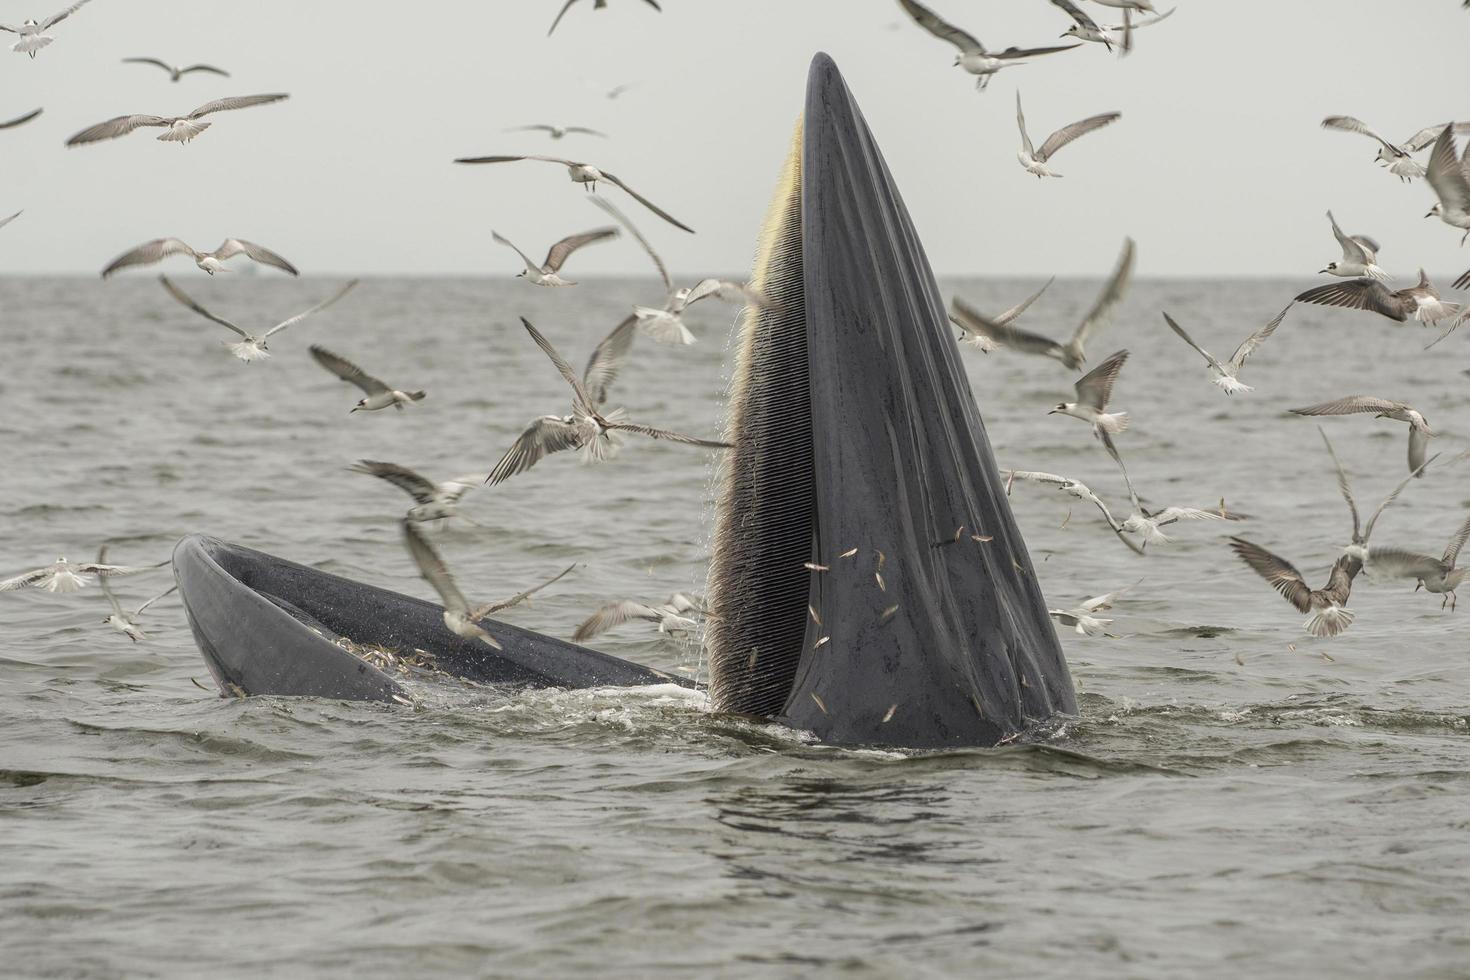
(868, 579)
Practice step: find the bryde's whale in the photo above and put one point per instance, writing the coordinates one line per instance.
(868, 581)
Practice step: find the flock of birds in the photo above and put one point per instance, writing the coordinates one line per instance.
(598, 431)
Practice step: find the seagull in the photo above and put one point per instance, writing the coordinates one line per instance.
(179, 129)
(587, 428)
(32, 32)
(556, 132)
(1359, 255)
(1094, 389)
(67, 576)
(1146, 523)
(968, 319)
(20, 120)
(1075, 488)
(253, 347)
(1033, 161)
(458, 616)
(672, 616)
(379, 395)
(596, 5)
(211, 262)
(1397, 157)
(1330, 602)
(1362, 532)
(973, 56)
(176, 72)
(546, 273)
(1104, 35)
(6, 221)
(1085, 28)
(1227, 375)
(1448, 176)
(432, 501)
(586, 175)
(1422, 302)
(1419, 432)
(125, 622)
(618, 90)
(1082, 616)
(1436, 575)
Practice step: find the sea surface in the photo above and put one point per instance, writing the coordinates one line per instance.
(1236, 798)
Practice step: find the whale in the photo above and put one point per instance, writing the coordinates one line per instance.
(868, 583)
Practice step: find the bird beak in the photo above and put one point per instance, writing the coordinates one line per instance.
(1320, 271)
(352, 409)
(1429, 214)
(1052, 412)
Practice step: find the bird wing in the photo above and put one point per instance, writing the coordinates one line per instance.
(1351, 405)
(1398, 563)
(347, 371)
(149, 253)
(647, 203)
(8, 220)
(22, 580)
(237, 102)
(1011, 54)
(1036, 476)
(652, 433)
(18, 120)
(58, 18)
(1418, 446)
(519, 597)
(1067, 134)
(542, 437)
(291, 321)
(1007, 336)
(415, 484)
(1095, 388)
(1452, 552)
(1282, 575)
(432, 568)
(1349, 124)
(1429, 134)
(1021, 122)
(115, 127)
(1368, 528)
(184, 299)
(150, 61)
(7, 27)
(607, 359)
(512, 245)
(586, 131)
(1006, 316)
(107, 589)
(1190, 341)
(719, 287)
(557, 256)
(1135, 25)
(1352, 251)
(683, 603)
(532, 128)
(1346, 489)
(165, 592)
(1173, 515)
(1446, 174)
(559, 15)
(231, 247)
(454, 488)
(940, 28)
(578, 390)
(1110, 297)
(202, 67)
(1083, 21)
(622, 219)
(1356, 294)
(513, 159)
(614, 614)
(1248, 345)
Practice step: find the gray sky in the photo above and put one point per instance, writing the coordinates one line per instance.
(1217, 167)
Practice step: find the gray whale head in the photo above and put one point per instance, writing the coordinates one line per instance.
(868, 581)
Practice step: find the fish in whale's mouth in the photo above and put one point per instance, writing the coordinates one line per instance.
(868, 580)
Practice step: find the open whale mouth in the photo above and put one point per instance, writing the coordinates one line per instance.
(869, 581)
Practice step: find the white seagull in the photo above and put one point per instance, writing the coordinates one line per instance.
(178, 129)
(378, 395)
(176, 72)
(677, 614)
(1094, 389)
(547, 273)
(432, 501)
(69, 576)
(973, 57)
(1436, 575)
(1381, 408)
(1120, 34)
(1083, 617)
(1075, 488)
(1397, 157)
(1227, 375)
(121, 620)
(1034, 161)
(1328, 605)
(556, 132)
(1449, 176)
(1359, 255)
(1146, 523)
(211, 262)
(588, 176)
(32, 32)
(973, 323)
(253, 347)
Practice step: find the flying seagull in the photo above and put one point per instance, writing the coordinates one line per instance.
(1358, 548)
(546, 274)
(1422, 302)
(596, 5)
(178, 129)
(1449, 176)
(1073, 353)
(1397, 157)
(211, 262)
(556, 132)
(121, 620)
(68, 576)
(32, 32)
(1083, 617)
(378, 395)
(673, 615)
(973, 57)
(586, 428)
(586, 175)
(1328, 605)
(1034, 161)
(1436, 575)
(1359, 255)
(253, 347)
(432, 501)
(176, 72)
(1105, 35)
(1227, 375)
(969, 320)
(1381, 408)
(1075, 488)
(1084, 28)
(20, 120)
(1094, 389)
(1146, 523)
(458, 616)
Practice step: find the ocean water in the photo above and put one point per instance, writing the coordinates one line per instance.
(1235, 799)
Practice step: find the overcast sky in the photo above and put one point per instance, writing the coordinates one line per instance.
(1218, 166)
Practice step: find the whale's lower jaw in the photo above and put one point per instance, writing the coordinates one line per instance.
(868, 580)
